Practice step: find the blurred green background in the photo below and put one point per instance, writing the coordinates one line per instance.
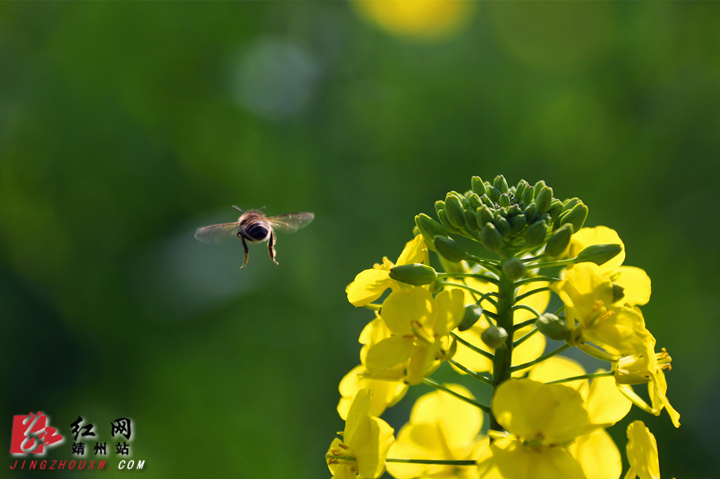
(125, 126)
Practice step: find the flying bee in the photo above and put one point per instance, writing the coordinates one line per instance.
(254, 227)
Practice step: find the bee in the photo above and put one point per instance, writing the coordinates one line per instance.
(254, 227)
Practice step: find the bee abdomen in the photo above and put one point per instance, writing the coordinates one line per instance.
(257, 231)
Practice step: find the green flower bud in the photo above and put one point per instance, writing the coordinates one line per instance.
(439, 205)
(500, 183)
(449, 249)
(472, 314)
(493, 193)
(471, 221)
(429, 228)
(599, 253)
(416, 274)
(513, 268)
(487, 201)
(520, 189)
(531, 212)
(552, 327)
(443, 217)
(455, 211)
(504, 200)
(517, 223)
(490, 237)
(544, 199)
(559, 240)
(618, 292)
(528, 195)
(536, 233)
(475, 202)
(570, 203)
(477, 185)
(503, 226)
(483, 215)
(494, 337)
(576, 216)
(538, 186)
(555, 209)
(514, 210)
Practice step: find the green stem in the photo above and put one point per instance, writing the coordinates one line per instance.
(482, 352)
(479, 277)
(503, 356)
(535, 279)
(527, 308)
(584, 376)
(552, 264)
(532, 258)
(540, 359)
(529, 293)
(518, 342)
(519, 326)
(463, 286)
(442, 388)
(480, 377)
(488, 264)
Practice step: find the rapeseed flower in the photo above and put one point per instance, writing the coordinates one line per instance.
(366, 440)
(370, 284)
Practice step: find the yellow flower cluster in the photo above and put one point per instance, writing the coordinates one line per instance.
(487, 318)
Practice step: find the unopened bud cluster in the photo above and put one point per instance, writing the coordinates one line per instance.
(505, 219)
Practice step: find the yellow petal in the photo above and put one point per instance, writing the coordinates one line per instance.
(520, 462)
(387, 354)
(605, 404)
(585, 286)
(658, 390)
(358, 410)
(533, 410)
(559, 367)
(457, 429)
(368, 286)
(422, 364)
(340, 469)
(386, 393)
(598, 235)
(598, 455)
(402, 308)
(415, 251)
(642, 451)
(529, 350)
(371, 444)
(414, 441)
(636, 283)
(450, 311)
(622, 332)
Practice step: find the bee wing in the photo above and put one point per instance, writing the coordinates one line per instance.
(221, 233)
(290, 222)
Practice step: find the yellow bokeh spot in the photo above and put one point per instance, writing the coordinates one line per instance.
(419, 19)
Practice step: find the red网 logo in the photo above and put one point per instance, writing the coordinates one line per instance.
(31, 434)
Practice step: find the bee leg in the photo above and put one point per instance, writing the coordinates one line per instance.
(271, 247)
(247, 252)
